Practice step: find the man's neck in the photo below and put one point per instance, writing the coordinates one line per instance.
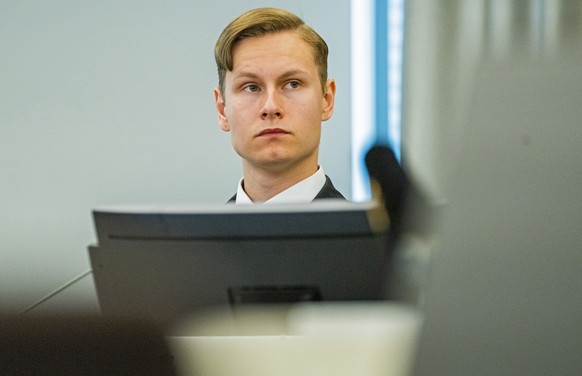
(262, 184)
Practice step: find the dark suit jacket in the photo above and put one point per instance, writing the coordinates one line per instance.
(327, 191)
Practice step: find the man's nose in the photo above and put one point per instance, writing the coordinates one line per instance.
(272, 107)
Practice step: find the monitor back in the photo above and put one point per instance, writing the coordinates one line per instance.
(165, 264)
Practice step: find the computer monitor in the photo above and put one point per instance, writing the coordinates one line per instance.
(165, 263)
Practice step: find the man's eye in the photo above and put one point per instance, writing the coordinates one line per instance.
(293, 84)
(251, 88)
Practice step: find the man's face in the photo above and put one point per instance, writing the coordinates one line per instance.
(273, 103)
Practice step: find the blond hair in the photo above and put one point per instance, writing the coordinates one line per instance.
(262, 21)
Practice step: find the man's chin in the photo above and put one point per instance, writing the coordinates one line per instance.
(277, 160)
(276, 163)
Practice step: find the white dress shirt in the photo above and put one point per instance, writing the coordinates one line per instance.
(302, 192)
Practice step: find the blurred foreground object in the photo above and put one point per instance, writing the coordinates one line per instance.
(82, 346)
(308, 339)
(410, 230)
(504, 291)
(408, 210)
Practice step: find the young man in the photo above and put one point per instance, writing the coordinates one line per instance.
(272, 97)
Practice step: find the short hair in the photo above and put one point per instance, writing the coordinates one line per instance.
(262, 21)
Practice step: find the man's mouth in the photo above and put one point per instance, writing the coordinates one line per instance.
(272, 132)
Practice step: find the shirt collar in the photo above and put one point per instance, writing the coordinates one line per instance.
(302, 192)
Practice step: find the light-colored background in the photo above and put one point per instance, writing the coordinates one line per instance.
(111, 102)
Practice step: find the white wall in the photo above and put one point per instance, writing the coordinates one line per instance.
(111, 102)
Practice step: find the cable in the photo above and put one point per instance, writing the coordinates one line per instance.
(58, 290)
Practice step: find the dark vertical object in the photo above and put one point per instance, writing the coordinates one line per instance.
(407, 209)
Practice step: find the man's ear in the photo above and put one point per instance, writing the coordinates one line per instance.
(222, 118)
(328, 100)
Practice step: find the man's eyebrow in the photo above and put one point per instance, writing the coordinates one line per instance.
(245, 74)
(294, 73)
(284, 76)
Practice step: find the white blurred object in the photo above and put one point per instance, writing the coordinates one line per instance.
(307, 339)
